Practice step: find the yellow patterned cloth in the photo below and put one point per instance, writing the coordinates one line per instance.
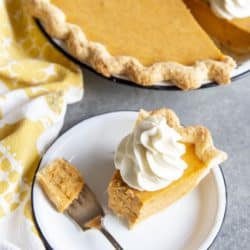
(36, 84)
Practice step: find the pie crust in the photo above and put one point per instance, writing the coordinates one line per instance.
(198, 135)
(97, 56)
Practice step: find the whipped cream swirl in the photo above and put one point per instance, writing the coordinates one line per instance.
(150, 157)
(230, 9)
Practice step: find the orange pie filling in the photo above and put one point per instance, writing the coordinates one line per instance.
(233, 34)
(123, 30)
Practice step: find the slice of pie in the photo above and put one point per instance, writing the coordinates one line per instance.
(233, 34)
(61, 182)
(145, 41)
(200, 156)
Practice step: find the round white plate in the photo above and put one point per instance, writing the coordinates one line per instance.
(243, 66)
(191, 223)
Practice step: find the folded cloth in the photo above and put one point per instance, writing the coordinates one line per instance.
(36, 84)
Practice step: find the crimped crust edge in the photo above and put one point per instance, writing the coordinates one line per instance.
(198, 135)
(97, 56)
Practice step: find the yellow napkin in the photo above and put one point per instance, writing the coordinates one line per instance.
(36, 84)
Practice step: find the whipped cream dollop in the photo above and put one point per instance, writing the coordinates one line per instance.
(150, 157)
(230, 9)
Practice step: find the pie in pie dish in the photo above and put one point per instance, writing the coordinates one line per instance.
(141, 40)
(135, 172)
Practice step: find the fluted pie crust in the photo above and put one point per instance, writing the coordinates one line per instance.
(201, 155)
(215, 66)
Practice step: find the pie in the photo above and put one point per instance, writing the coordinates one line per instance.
(233, 34)
(200, 156)
(61, 182)
(143, 41)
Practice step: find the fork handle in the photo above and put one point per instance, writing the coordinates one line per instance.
(111, 239)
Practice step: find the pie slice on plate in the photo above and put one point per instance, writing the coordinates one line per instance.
(145, 41)
(148, 176)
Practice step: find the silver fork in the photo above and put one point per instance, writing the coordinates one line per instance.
(88, 213)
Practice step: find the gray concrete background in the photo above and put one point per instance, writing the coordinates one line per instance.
(224, 110)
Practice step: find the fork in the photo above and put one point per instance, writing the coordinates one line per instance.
(88, 213)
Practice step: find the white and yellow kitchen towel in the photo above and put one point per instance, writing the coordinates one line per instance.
(36, 84)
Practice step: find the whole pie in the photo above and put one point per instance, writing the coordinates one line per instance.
(200, 156)
(146, 41)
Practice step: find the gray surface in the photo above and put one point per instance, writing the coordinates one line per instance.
(224, 110)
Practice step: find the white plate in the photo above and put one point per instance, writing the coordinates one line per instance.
(243, 65)
(191, 223)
